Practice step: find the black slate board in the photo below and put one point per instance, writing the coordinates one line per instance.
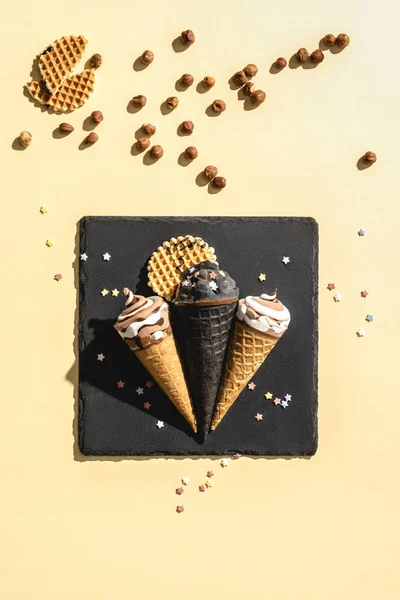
(113, 421)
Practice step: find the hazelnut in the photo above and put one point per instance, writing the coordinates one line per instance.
(302, 55)
(186, 80)
(258, 97)
(149, 129)
(143, 143)
(342, 40)
(92, 138)
(369, 157)
(156, 151)
(219, 182)
(329, 40)
(147, 57)
(187, 127)
(240, 78)
(250, 71)
(281, 62)
(210, 172)
(25, 139)
(97, 116)
(317, 57)
(66, 128)
(208, 82)
(188, 37)
(218, 106)
(172, 102)
(249, 88)
(191, 152)
(96, 61)
(139, 101)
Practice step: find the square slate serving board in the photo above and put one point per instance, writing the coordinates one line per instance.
(113, 421)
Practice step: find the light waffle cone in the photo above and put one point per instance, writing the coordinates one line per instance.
(60, 59)
(247, 351)
(174, 256)
(74, 92)
(162, 362)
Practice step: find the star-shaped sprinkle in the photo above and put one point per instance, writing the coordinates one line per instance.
(146, 405)
(202, 488)
(277, 401)
(179, 490)
(286, 260)
(268, 396)
(185, 480)
(251, 386)
(120, 384)
(369, 318)
(361, 332)
(100, 357)
(213, 275)
(361, 232)
(104, 292)
(185, 283)
(331, 286)
(58, 276)
(224, 462)
(149, 384)
(115, 292)
(208, 483)
(43, 210)
(160, 424)
(210, 473)
(259, 417)
(364, 293)
(49, 243)
(262, 277)
(84, 257)
(106, 256)
(179, 509)
(237, 455)
(284, 403)
(213, 286)
(191, 269)
(139, 391)
(337, 297)
(288, 397)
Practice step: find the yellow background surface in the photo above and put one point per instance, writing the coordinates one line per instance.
(324, 528)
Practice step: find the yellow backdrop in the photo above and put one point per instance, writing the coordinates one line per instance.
(324, 528)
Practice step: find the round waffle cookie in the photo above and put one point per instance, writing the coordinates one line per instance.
(167, 263)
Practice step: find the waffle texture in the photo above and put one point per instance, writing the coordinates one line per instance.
(247, 351)
(58, 60)
(74, 92)
(167, 263)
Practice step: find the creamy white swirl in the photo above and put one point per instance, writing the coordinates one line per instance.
(264, 313)
(145, 319)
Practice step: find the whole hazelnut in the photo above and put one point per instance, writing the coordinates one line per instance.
(186, 80)
(187, 127)
(249, 88)
(342, 40)
(317, 57)
(66, 128)
(191, 152)
(97, 116)
(250, 71)
(218, 106)
(258, 97)
(143, 143)
(329, 40)
(208, 82)
(96, 61)
(92, 138)
(172, 102)
(157, 151)
(149, 129)
(240, 78)
(139, 101)
(188, 37)
(303, 55)
(147, 57)
(281, 62)
(219, 182)
(369, 157)
(25, 139)
(210, 172)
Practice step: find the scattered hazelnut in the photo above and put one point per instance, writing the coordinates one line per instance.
(369, 157)
(317, 57)
(172, 102)
(156, 151)
(92, 138)
(218, 106)
(210, 172)
(250, 71)
(249, 88)
(329, 40)
(281, 62)
(188, 37)
(66, 128)
(208, 82)
(191, 152)
(139, 101)
(97, 116)
(25, 139)
(147, 57)
(187, 127)
(342, 40)
(96, 61)
(258, 97)
(303, 55)
(143, 143)
(149, 129)
(240, 78)
(219, 182)
(186, 80)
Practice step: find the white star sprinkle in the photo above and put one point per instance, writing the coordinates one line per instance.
(191, 270)
(185, 480)
(287, 397)
(139, 391)
(224, 462)
(337, 297)
(185, 283)
(100, 357)
(286, 260)
(106, 256)
(84, 256)
(160, 424)
(361, 332)
(284, 403)
(213, 286)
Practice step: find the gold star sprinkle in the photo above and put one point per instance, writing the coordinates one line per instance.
(43, 210)
(262, 277)
(105, 292)
(208, 483)
(49, 243)
(115, 292)
(268, 396)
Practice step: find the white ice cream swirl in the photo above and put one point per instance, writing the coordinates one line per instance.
(264, 313)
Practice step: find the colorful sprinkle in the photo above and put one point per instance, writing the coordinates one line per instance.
(369, 318)
(268, 396)
(100, 357)
(262, 277)
(337, 297)
(284, 403)
(120, 384)
(139, 391)
(185, 480)
(361, 232)
(331, 286)
(49, 243)
(146, 405)
(251, 386)
(210, 473)
(149, 384)
(179, 491)
(224, 462)
(160, 424)
(259, 417)
(58, 277)
(277, 401)
(361, 332)
(84, 257)
(115, 292)
(288, 397)
(180, 509)
(106, 256)
(213, 275)
(286, 260)
(105, 292)
(364, 293)
(202, 488)
(43, 210)
(208, 483)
